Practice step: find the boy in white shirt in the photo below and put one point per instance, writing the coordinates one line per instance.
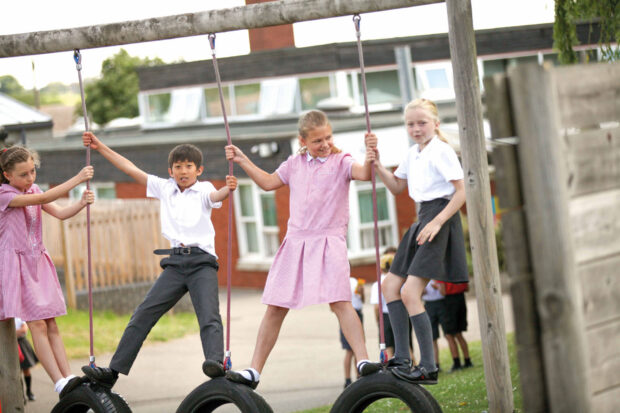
(186, 206)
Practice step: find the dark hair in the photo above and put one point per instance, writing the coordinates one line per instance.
(390, 250)
(185, 152)
(9, 157)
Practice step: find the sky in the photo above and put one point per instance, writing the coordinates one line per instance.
(25, 16)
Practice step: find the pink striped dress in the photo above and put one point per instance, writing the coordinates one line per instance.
(29, 287)
(312, 266)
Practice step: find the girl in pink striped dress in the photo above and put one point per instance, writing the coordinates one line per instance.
(311, 265)
(29, 287)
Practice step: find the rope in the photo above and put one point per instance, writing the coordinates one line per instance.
(356, 22)
(77, 56)
(227, 359)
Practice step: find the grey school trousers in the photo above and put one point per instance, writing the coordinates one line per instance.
(196, 273)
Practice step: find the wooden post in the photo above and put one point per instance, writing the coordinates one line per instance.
(479, 211)
(544, 177)
(11, 391)
(192, 24)
(514, 236)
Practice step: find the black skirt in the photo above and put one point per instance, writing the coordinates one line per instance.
(30, 359)
(443, 258)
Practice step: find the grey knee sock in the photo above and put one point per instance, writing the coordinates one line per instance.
(400, 326)
(423, 332)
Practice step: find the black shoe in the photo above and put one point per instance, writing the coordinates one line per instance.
(237, 377)
(418, 375)
(399, 363)
(455, 367)
(468, 364)
(30, 396)
(368, 367)
(213, 368)
(70, 386)
(104, 376)
(347, 382)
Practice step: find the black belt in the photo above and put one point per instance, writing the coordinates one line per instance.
(180, 251)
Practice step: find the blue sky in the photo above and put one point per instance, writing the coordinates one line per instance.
(17, 17)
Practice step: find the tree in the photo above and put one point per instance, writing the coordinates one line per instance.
(568, 12)
(115, 94)
(10, 86)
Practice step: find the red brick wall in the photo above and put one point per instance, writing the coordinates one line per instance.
(126, 190)
(274, 37)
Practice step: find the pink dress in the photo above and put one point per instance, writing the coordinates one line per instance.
(311, 266)
(29, 287)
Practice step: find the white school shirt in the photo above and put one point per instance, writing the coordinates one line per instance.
(431, 294)
(429, 172)
(185, 216)
(374, 296)
(356, 299)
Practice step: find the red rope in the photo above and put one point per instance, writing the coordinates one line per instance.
(356, 22)
(227, 360)
(77, 56)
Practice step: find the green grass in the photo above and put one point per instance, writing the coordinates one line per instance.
(463, 391)
(108, 328)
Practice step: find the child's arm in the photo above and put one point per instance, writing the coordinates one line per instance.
(115, 158)
(362, 172)
(88, 197)
(53, 194)
(432, 228)
(391, 181)
(223, 193)
(263, 179)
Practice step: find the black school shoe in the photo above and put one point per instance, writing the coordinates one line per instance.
(103, 376)
(70, 386)
(418, 374)
(213, 368)
(368, 368)
(237, 377)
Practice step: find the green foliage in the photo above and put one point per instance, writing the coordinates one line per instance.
(115, 94)
(109, 327)
(568, 12)
(10, 86)
(51, 94)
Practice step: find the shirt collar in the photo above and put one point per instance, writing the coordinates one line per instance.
(318, 158)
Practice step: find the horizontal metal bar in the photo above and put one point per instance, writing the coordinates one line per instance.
(191, 24)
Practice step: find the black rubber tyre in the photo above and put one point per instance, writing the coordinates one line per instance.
(119, 403)
(219, 391)
(367, 390)
(88, 397)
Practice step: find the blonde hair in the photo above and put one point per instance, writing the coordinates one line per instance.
(431, 108)
(311, 120)
(9, 157)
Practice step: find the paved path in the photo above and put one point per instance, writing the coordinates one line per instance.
(304, 370)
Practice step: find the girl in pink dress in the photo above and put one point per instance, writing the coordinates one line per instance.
(29, 287)
(311, 265)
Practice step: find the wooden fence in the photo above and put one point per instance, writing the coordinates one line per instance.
(123, 235)
(558, 181)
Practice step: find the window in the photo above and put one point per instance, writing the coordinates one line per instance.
(157, 107)
(382, 87)
(361, 241)
(435, 81)
(257, 225)
(102, 190)
(312, 90)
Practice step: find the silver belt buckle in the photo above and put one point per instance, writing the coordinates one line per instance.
(186, 250)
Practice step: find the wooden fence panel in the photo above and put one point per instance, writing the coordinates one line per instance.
(124, 234)
(586, 100)
(604, 356)
(601, 291)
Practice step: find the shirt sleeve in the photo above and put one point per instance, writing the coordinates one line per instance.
(284, 170)
(154, 186)
(206, 196)
(403, 168)
(5, 198)
(347, 164)
(448, 165)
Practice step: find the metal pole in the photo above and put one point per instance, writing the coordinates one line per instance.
(192, 24)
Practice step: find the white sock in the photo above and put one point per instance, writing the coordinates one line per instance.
(246, 374)
(361, 362)
(70, 376)
(60, 384)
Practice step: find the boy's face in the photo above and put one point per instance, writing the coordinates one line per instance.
(185, 174)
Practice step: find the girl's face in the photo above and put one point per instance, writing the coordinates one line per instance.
(22, 176)
(319, 141)
(420, 126)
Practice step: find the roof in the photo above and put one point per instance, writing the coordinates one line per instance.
(14, 112)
